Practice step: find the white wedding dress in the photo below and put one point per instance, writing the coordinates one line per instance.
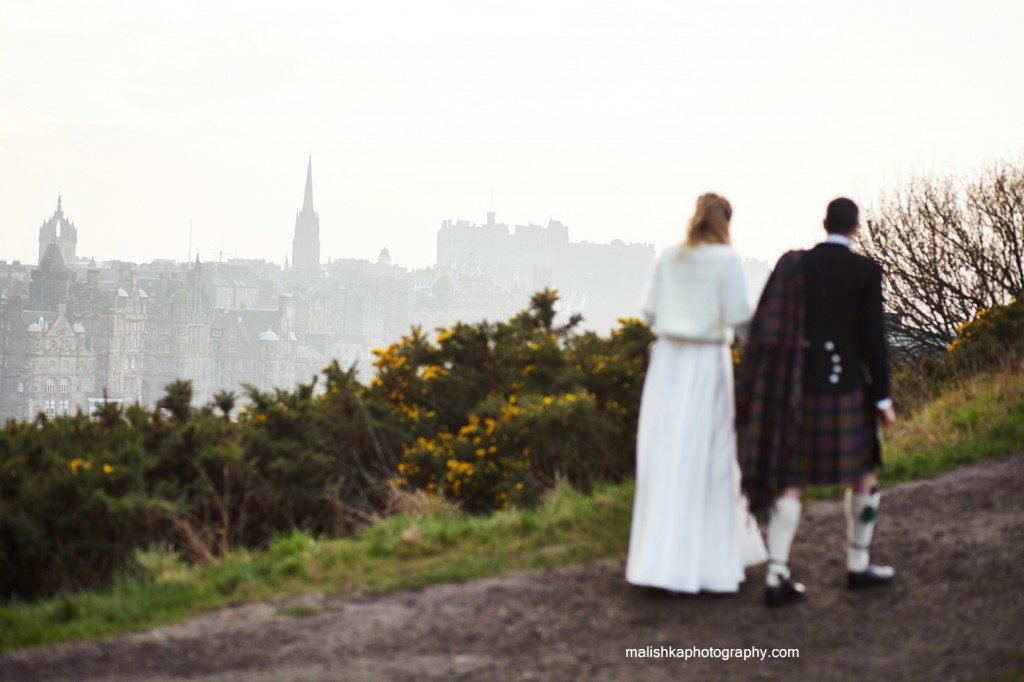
(691, 531)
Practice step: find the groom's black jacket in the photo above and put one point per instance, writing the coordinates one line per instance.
(844, 332)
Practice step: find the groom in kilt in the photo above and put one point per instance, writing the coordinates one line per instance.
(813, 389)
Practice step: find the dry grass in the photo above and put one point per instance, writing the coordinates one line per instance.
(419, 504)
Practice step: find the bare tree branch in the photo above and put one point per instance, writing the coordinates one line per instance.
(949, 247)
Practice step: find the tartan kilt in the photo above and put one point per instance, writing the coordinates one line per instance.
(838, 439)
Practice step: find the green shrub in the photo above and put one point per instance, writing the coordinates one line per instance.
(71, 502)
(991, 342)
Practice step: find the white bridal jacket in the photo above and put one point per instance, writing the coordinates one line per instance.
(697, 293)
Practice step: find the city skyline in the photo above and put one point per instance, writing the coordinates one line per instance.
(609, 119)
(76, 333)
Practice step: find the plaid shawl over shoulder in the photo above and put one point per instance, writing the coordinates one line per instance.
(768, 401)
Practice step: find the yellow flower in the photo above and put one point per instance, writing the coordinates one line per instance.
(548, 400)
(77, 464)
(107, 469)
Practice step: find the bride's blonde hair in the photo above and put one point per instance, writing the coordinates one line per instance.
(710, 222)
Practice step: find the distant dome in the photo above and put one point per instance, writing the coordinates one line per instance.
(470, 270)
(384, 257)
(268, 335)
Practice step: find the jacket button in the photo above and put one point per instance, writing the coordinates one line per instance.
(836, 358)
(837, 369)
(833, 378)
(829, 345)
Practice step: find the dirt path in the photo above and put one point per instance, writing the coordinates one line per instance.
(955, 612)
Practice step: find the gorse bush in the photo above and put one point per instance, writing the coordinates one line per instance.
(78, 495)
(487, 416)
(993, 339)
(990, 342)
(71, 501)
(509, 452)
(491, 414)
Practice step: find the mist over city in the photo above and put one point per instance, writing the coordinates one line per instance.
(80, 331)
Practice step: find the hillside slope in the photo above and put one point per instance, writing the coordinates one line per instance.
(955, 612)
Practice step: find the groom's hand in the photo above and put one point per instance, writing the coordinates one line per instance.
(888, 416)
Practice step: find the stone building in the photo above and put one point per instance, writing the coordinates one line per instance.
(48, 363)
(47, 357)
(253, 347)
(176, 338)
(119, 341)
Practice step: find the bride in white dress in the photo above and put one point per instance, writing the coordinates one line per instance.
(691, 530)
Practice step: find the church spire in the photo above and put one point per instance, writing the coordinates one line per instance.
(307, 201)
(306, 244)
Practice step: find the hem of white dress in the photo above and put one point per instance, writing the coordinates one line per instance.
(686, 590)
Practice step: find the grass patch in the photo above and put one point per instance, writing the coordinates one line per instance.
(982, 418)
(429, 541)
(399, 552)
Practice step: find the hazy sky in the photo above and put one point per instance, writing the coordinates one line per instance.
(610, 116)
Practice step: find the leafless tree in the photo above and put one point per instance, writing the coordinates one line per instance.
(949, 247)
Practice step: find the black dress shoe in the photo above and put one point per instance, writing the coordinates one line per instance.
(785, 593)
(874, 576)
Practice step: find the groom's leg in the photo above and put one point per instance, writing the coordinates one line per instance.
(861, 517)
(782, 524)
